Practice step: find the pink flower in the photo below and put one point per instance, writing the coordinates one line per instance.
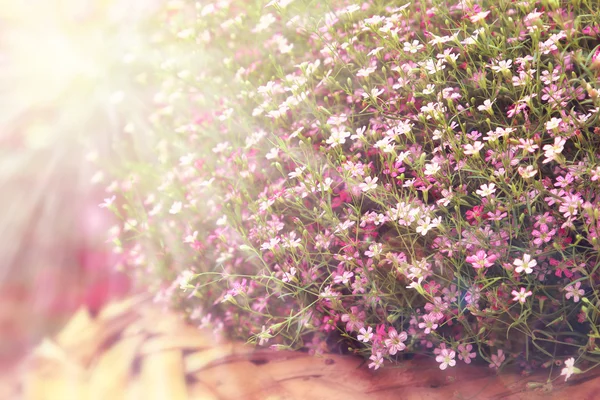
(521, 296)
(354, 320)
(479, 16)
(474, 214)
(436, 310)
(595, 174)
(527, 172)
(395, 341)
(481, 259)
(428, 324)
(344, 278)
(497, 360)
(464, 353)
(377, 360)
(374, 250)
(264, 336)
(543, 235)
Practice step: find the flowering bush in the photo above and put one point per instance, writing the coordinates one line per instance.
(377, 179)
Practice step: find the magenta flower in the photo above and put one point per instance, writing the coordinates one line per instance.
(543, 235)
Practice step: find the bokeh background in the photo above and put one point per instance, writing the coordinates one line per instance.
(65, 77)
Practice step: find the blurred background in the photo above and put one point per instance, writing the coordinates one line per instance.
(65, 71)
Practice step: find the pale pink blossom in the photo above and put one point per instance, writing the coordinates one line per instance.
(465, 354)
(365, 335)
(395, 342)
(471, 149)
(377, 361)
(574, 291)
(486, 190)
(526, 264)
(497, 360)
(521, 296)
(446, 358)
(368, 184)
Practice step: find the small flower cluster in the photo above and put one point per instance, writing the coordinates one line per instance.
(421, 177)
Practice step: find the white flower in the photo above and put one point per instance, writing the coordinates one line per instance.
(270, 245)
(375, 51)
(527, 172)
(107, 202)
(264, 336)
(368, 184)
(502, 66)
(446, 358)
(344, 279)
(569, 368)
(486, 106)
(272, 154)
(264, 23)
(176, 208)
(474, 148)
(425, 225)
(480, 16)
(364, 72)
(526, 264)
(552, 150)
(374, 93)
(365, 336)
(297, 172)
(184, 279)
(553, 123)
(429, 89)
(412, 47)
(432, 169)
(486, 190)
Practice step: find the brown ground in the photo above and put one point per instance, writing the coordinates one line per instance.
(136, 350)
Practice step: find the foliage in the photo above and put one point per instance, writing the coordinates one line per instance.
(382, 178)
